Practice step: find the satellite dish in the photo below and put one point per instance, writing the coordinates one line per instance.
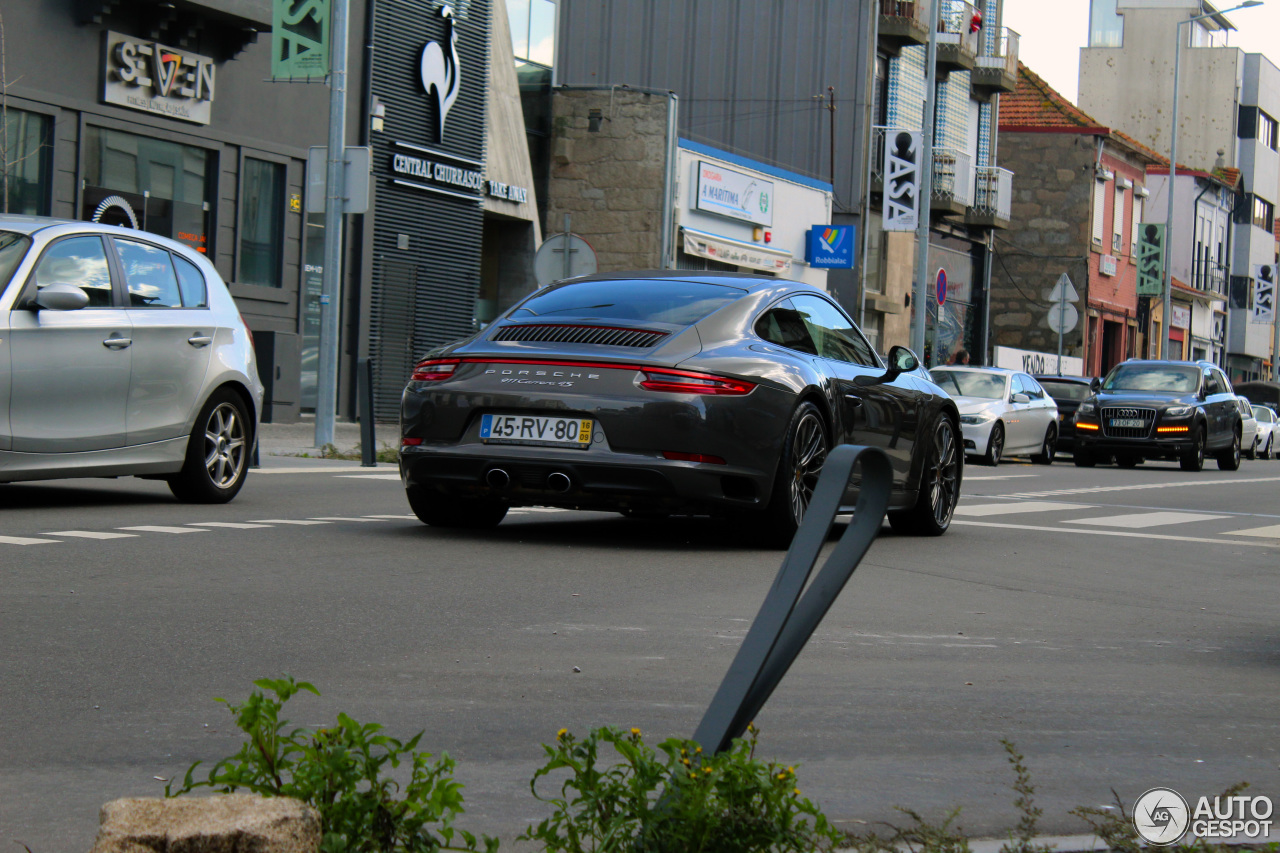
(550, 263)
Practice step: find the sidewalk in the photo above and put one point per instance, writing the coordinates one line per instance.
(300, 438)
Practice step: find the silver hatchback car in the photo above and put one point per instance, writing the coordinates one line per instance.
(121, 354)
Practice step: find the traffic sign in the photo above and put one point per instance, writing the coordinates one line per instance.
(941, 287)
(550, 263)
(1063, 291)
(1063, 317)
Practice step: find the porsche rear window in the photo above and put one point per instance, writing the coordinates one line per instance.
(680, 303)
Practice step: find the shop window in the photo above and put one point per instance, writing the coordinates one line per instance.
(25, 160)
(262, 223)
(149, 184)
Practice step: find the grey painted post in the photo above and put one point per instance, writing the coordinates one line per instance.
(918, 335)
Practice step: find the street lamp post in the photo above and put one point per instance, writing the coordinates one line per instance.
(1167, 309)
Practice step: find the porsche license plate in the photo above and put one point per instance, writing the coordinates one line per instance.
(537, 430)
(1128, 423)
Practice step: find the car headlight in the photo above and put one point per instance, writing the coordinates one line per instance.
(1177, 411)
(1086, 409)
(979, 418)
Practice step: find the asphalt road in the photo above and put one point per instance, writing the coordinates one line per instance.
(1121, 627)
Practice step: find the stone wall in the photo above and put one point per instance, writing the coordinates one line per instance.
(610, 180)
(1049, 235)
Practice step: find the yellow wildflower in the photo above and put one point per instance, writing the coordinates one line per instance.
(706, 770)
(635, 732)
(560, 734)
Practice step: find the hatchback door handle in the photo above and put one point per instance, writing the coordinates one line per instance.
(117, 343)
(198, 341)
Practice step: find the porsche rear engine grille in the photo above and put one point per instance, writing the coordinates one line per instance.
(565, 334)
(1129, 416)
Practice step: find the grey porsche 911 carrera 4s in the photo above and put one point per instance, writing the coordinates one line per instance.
(671, 392)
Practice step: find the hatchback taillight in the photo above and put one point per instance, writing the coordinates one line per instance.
(687, 382)
(435, 369)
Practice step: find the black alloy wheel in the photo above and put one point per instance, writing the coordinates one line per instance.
(1128, 460)
(803, 455)
(440, 509)
(1193, 459)
(1049, 448)
(1229, 459)
(217, 460)
(939, 485)
(995, 445)
(1083, 458)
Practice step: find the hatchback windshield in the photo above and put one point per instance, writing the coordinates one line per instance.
(681, 303)
(1180, 379)
(962, 383)
(12, 248)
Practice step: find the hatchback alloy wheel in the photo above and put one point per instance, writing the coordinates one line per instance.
(224, 438)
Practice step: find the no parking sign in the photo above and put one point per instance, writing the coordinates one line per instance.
(941, 287)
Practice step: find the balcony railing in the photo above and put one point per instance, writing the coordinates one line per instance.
(958, 38)
(904, 22)
(952, 180)
(993, 190)
(996, 67)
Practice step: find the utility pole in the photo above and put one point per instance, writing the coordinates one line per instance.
(335, 202)
(831, 108)
(926, 189)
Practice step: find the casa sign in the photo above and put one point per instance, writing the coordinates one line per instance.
(155, 78)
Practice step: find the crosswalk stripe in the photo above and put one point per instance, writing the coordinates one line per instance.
(289, 521)
(158, 528)
(237, 525)
(1139, 520)
(395, 477)
(1075, 531)
(1011, 507)
(343, 518)
(981, 478)
(92, 534)
(25, 540)
(1269, 532)
(400, 516)
(1224, 481)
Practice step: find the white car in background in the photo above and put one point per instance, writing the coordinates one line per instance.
(1268, 426)
(1248, 428)
(1002, 413)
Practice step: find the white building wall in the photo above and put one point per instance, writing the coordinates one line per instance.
(797, 208)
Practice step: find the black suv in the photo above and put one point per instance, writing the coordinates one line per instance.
(1160, 410)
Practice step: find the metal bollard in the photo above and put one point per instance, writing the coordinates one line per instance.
(364, 402)
(786, 620)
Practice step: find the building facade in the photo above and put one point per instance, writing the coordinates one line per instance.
(1229, 102)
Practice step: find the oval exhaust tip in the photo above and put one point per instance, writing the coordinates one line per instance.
(559, 482)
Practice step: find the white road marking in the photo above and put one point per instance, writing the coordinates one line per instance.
(999, 477)
(1012, 507)
(343, 518)
(1270, 532)
(401, 515)
(319, 469)
(92, 534)
(237, 525)
(395, 477)
(1139, 520)
(288, 521)
(157, 528)
(1152, 485)
(24, 540)
(1072, 531)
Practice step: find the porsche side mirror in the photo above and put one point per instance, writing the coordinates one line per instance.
(901, 360)
(59, 297)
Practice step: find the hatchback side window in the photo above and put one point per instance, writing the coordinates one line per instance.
(195, 293)
(149, 275)
(834, 333)
(783, 325)
(78, 261)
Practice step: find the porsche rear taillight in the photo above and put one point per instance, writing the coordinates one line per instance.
(435, 369)
(687, 382)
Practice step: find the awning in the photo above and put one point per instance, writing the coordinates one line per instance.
(730, 251)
